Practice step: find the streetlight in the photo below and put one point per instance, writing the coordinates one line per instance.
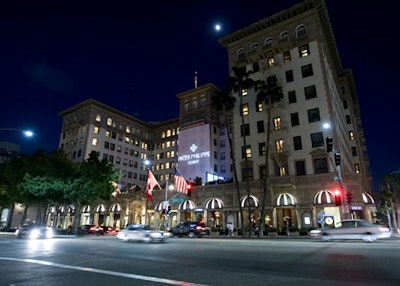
(27, 133)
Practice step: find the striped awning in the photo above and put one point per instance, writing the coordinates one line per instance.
(159, 207)
(367, 199)
(115, 208)
(186, 205)
(252, 200)
(100, 209)
(85, 209)
(285, 199)
(325, 197)
(61, 209)
(214, 204)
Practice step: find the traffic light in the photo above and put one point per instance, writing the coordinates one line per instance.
(169, 210)
(337, 159)
(329, 144)
(349, 198)
(189, 190)
(163, 210)
(338, 198)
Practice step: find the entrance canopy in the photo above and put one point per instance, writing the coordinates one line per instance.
(285, 200)
(252, 200)
(214, 204)
(186, 205)
(368, 199)
(325, 197)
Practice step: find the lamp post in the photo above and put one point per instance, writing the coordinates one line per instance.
(27, 133)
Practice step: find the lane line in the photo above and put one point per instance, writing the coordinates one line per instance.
(107, 272)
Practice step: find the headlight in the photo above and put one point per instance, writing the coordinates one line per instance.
(49, 233)
(35, 233)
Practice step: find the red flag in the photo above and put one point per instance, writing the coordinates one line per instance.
(151, 183)
(180, 182)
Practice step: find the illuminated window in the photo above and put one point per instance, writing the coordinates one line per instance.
(168, 134)
(244, 110)
(246, 152)
(95, 141)
(271, 62)
(168, 144)
(282, 171)
(96, 130)
(286, 57)
(262, 150)
(279, 145)
(128, 129)
(163, 134)
(357, 168)
(98, 118)
(277, 123)
(109, 121)
(127, 139)
(351, 135)
(244, 92)
(259, 106)
(304, 51)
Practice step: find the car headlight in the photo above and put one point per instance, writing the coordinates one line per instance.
(49, 233)
(35, 233)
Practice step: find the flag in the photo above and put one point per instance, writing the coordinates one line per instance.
(180, 182)
(117, 189)
(151, 183)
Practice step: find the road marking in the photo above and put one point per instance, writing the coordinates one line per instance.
(107, 272)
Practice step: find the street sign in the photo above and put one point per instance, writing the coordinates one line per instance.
(177, 200)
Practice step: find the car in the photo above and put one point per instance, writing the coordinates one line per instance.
(34, 231)
(352, 229)
(91, 229)
(190, 229)
(144, 233)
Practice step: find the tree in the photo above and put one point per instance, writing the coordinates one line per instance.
(224, 103)
(269, 92)
(390, 198)
(94, 181)
(239, 82)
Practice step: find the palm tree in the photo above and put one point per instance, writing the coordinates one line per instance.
(390, 188)
(269, 92)
(238, 82)
(224, 103)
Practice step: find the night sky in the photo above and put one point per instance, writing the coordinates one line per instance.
(137, 56)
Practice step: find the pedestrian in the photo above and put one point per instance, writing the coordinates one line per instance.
(230, 229)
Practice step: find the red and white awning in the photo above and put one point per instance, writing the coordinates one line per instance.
(325, 197)
(285, 199)
(214, 204)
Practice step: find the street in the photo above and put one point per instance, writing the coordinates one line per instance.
(104, 260)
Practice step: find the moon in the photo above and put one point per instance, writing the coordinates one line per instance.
(217, 27)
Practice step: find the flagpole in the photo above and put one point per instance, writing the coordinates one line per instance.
(166, 204)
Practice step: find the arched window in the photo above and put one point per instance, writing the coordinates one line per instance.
(268, 43)
(241, 55)
(253, 46)
(284, 35)
(301, 31)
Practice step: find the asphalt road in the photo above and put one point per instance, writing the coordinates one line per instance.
(102, 260)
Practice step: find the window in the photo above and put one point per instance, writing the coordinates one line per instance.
(297, 145)
(262, 150)
(268, 43)
(260, 126)
(215, 155)
(95, 141)
(202, 101)
(246, 151)
(307, 70)
(289, 76)
(245, 130)
(277, 123)
(186, 105)
(351, 135)
(286, 57)
(241, 55)
(223, 156)
(320, 165)
(304, 51)
(301, 31)
(244, 109)
(279, 145)
(109, 121)
(357, 168)
(354, 151)
(98, 118)
(259, 106)
(292, 96)
(222, 144)
(300, 168)
(294, 117)
(244, 92)
(317, 139)
(247, 174)
(313, 115)
(284, 35)
(310, 92)
(194, 103)
(345, 104)
(271, 62)
(223, 169)
(256, 67)
(96, 130)
(348, 119)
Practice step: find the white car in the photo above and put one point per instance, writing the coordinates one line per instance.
(353, 229)
(140, 232)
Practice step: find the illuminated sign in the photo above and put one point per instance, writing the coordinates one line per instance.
(194, 151)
